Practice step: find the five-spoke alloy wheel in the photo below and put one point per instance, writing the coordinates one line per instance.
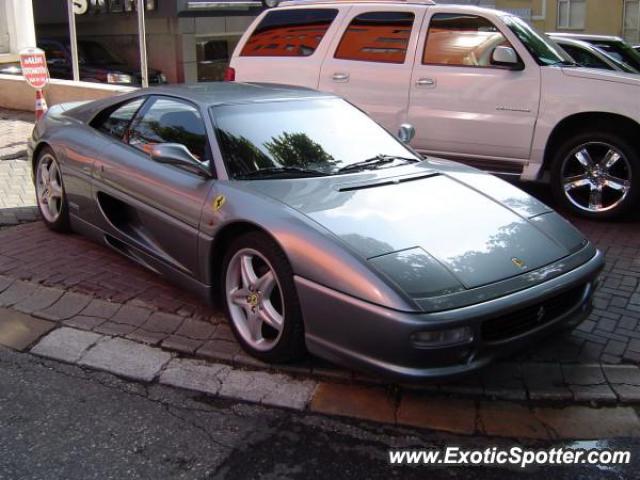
(50, 193)
(261, 300)
(255, 300)
(596, 178)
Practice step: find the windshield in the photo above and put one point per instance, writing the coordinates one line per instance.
(543, 50)
(92, 53)
(303, 137)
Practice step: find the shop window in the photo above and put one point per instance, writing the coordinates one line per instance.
(170, 121)
(377, 37)
(461, 40)
(289, 33)
(572, 14)
(213, 56)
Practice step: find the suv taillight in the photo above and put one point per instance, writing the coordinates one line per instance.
(230, 74)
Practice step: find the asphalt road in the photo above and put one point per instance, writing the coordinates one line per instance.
(63, 422)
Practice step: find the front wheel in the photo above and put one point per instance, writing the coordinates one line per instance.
(261, 299)
(596, 175)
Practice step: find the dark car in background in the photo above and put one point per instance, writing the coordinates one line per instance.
(615, 47)
(96, 63)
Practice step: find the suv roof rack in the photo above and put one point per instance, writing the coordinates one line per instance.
(316, 2)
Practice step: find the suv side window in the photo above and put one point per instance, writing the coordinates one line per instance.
(377, 37)
(461, 40)
(114, 122)
(289, 33)
(168, 120)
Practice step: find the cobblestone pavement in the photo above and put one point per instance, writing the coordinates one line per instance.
(17, 198)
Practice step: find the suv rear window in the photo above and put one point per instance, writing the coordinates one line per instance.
(377, 37)
(289, 33)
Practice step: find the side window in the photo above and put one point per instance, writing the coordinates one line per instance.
(115, 122)
(289, 33)
(461, 40)
(377, 37)
(585, 58)
(170, 121)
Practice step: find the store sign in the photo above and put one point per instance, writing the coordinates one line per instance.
(34, 67)
(81, 7)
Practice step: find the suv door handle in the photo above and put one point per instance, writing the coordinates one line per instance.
(340, 77)
(425, 82)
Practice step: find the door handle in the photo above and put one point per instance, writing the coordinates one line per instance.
(340, 77)
(425, 82)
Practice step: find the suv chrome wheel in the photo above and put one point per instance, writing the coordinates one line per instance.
(596, 177)
(254, 299)
(49, 188)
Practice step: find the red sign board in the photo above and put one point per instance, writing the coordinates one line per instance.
(34, 67)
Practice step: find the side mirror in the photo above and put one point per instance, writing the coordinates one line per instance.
(406, 133)
(178, 154)
(506, 57)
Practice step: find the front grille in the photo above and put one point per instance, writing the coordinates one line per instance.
(521, 321)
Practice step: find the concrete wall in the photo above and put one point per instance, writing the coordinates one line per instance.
(16, 94)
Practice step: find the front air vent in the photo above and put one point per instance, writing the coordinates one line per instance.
(386, 182)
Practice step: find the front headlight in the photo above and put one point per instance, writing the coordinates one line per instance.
(119, 78)
(442, 338)
(162, 77)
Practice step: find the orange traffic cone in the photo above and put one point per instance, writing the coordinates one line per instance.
(41, 105)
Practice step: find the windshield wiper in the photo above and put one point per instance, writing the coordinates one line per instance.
(281, 172)
(375, 162)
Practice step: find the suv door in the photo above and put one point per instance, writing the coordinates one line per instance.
(461, 104)
(370, 62)
(286, 46)
(152, 206)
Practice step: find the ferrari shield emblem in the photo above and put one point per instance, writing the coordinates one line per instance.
(518, 262)
(218, 202)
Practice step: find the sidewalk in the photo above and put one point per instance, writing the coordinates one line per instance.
(17, 197)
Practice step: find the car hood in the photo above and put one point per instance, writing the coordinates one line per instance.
(602, 75)
(480, 229)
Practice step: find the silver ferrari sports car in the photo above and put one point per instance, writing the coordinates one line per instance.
(315, 228)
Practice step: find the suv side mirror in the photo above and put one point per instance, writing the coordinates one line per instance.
(177, 154)
(506, 57)
(406, 133)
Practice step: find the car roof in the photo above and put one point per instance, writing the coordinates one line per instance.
(290, 3)
(225, 93)
(572, 41)
(581, 36)
(448, 7)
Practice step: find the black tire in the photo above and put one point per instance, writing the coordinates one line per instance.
(290, 345)
(597, 141)
(61, 224)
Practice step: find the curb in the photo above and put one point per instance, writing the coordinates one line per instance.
(138, 362)
(540, 383)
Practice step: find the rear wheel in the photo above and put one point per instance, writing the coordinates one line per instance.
(51, 198)
(261, 300)
(596, 175)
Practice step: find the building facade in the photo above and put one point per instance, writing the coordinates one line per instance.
(606, 17)
(16, 28)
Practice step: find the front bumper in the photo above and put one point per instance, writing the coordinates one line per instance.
(369, 337)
